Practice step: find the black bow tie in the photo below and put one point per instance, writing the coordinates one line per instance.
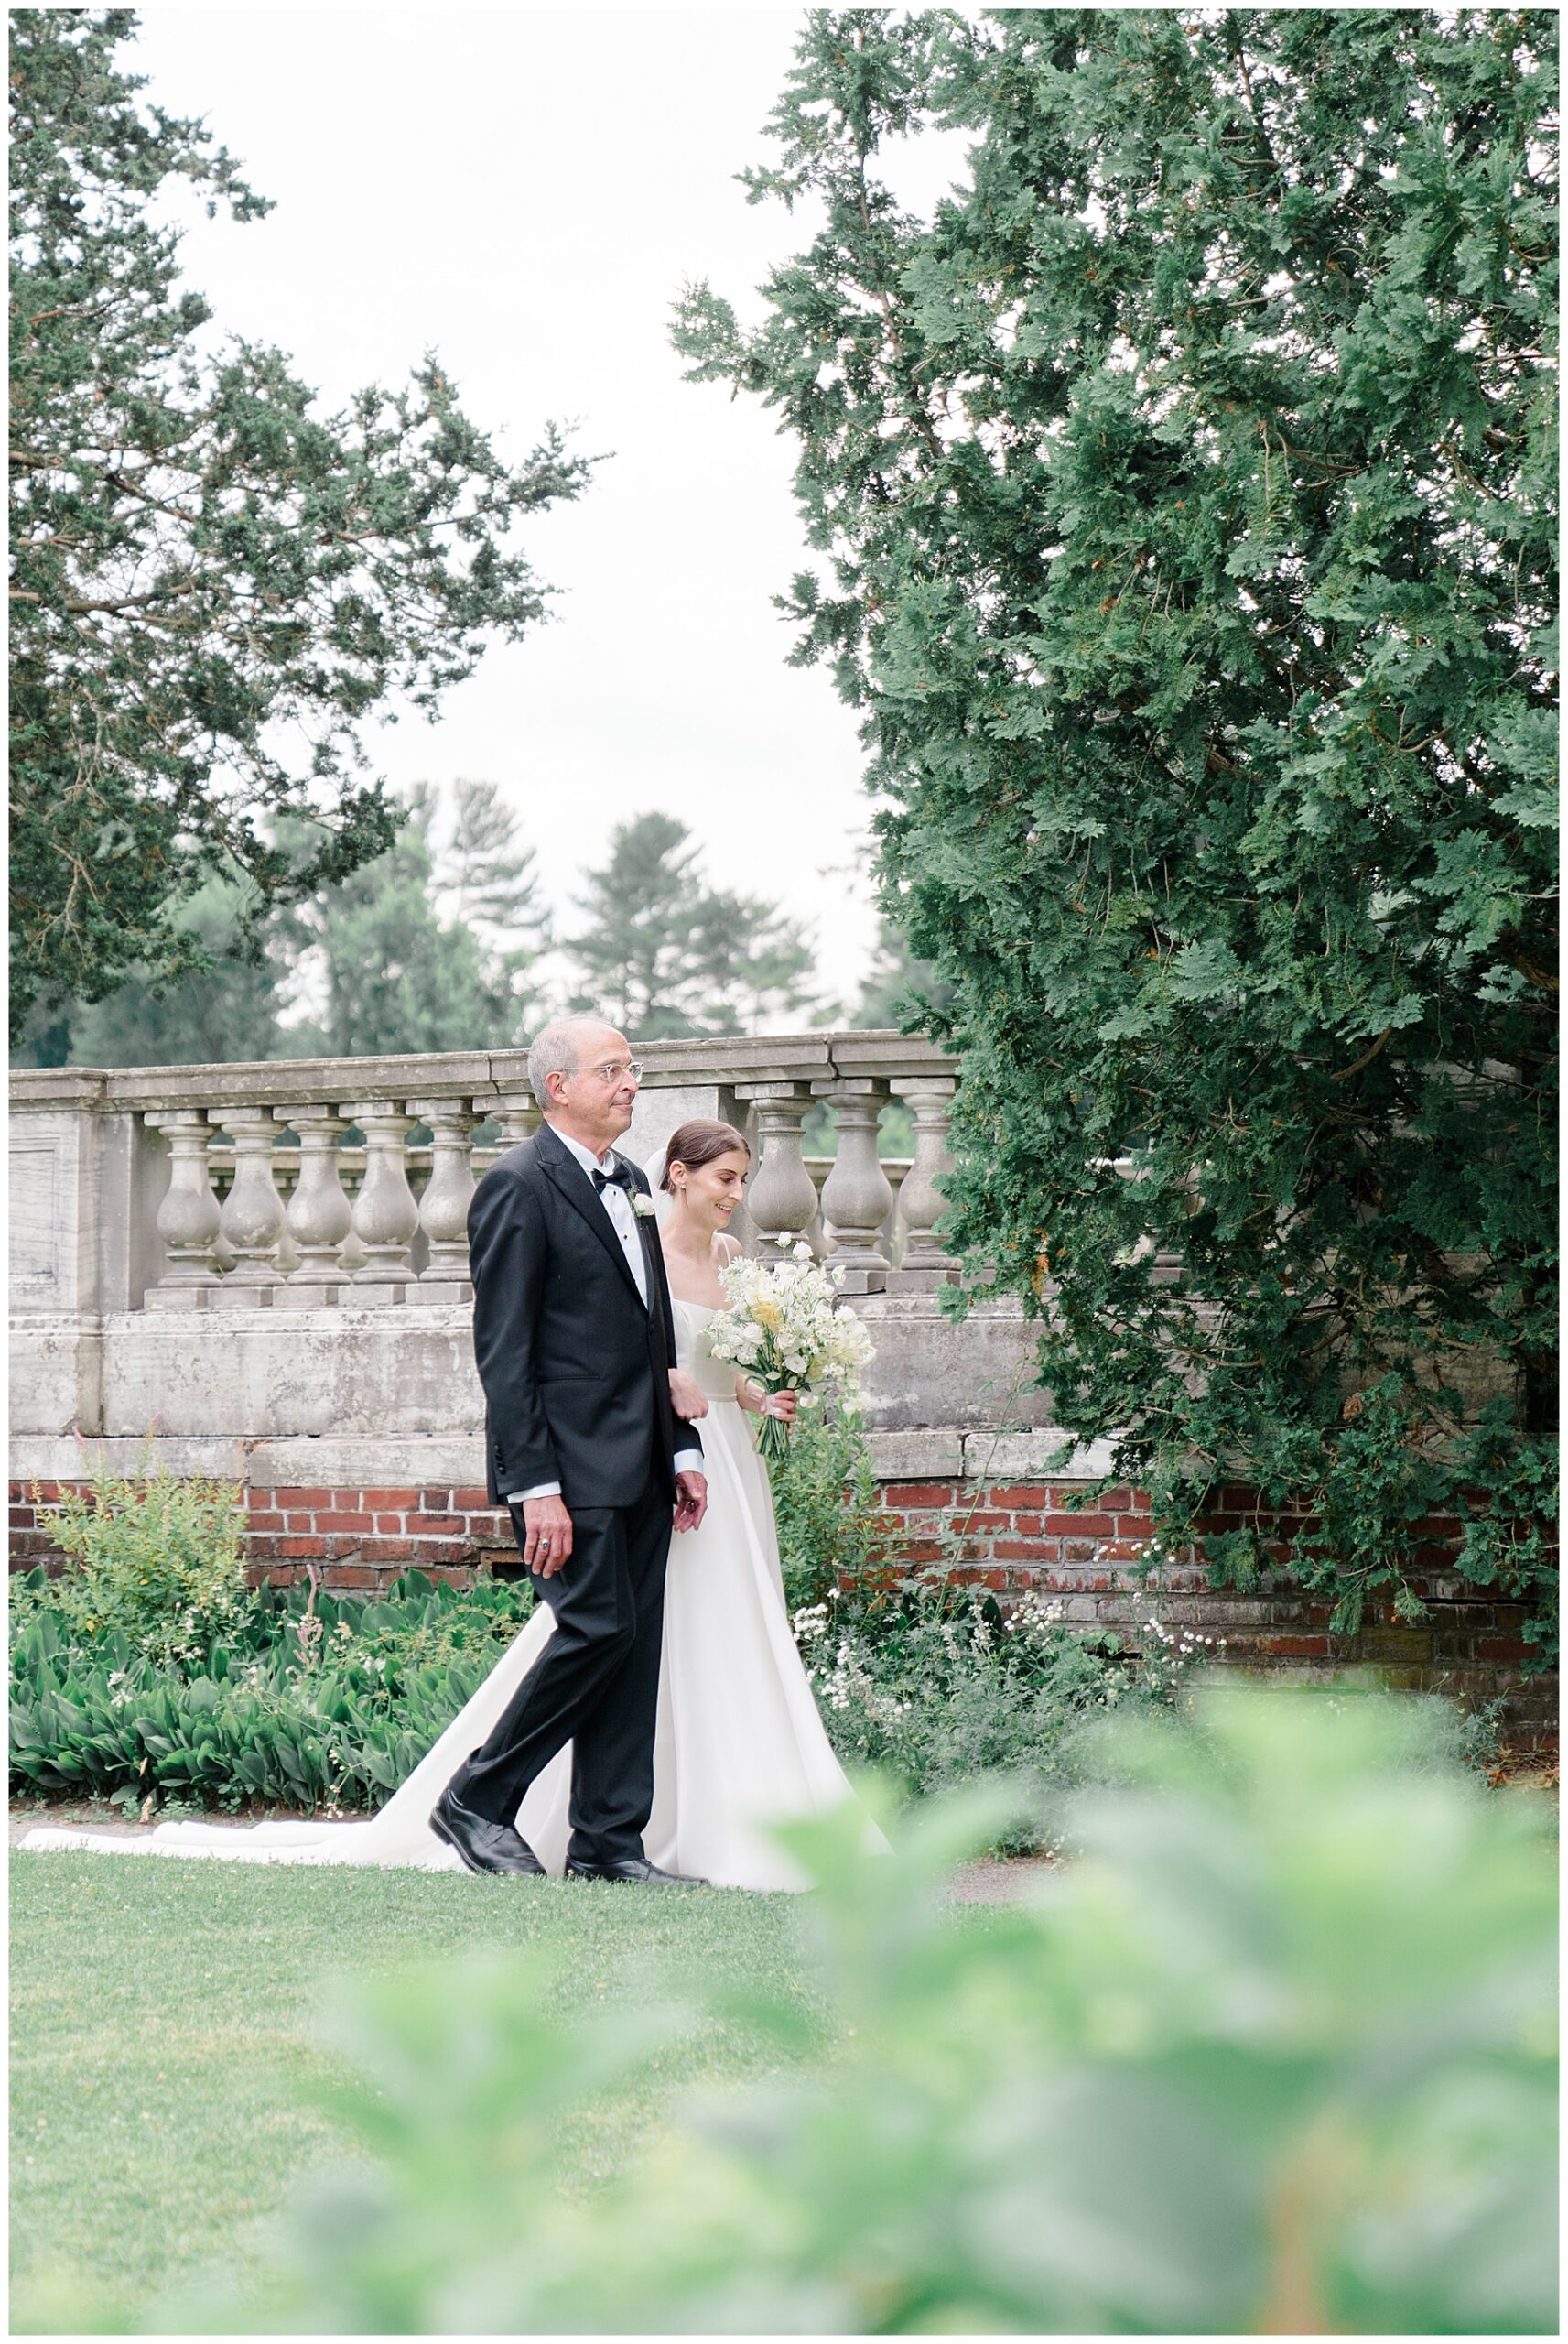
(619, 1179)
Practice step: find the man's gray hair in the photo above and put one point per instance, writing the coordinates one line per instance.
(555, 1052)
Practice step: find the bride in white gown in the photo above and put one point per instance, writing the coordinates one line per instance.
(739, 1745)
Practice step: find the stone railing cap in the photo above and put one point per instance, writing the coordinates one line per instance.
(482, 1076)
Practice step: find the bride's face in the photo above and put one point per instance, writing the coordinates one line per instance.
(710, 1192)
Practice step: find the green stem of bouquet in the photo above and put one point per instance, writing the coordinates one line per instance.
(774, 1440)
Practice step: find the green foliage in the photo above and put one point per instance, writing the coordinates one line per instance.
(668, 954)
(306, 1699)
(226, 1010)
(396, 975)
(429, 946)
(205, 567)
(1274, 2054)
(933, 1682)
(832, 1526)
(1184, 490)
(154, 1558)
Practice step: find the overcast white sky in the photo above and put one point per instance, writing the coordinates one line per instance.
(524, 190)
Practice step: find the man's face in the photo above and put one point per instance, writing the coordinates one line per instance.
(601, 1090)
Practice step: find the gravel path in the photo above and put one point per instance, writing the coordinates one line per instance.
(988, 1881)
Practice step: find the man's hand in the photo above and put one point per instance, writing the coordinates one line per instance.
(547, 1534)
(691, 1500)
(687, 1397)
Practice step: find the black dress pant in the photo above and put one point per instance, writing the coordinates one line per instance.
(595, 1685)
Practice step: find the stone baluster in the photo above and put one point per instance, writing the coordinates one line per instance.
(818, 1167)
(890, 1235)
(781, 1199)
(444, 1206)
(187, 1218)
(352, 1172)
(285, 1178)
(250, 1220)
(857, 1192)
(519, 1115)
(923, 1264)
(320, 1215)
(386, 1214)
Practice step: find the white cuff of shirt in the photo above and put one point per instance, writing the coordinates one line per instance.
(541, 1489)
(689, 1460)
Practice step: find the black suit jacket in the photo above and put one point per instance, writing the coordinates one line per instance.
(574, 1367)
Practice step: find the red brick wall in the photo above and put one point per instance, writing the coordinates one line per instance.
(362, 1537)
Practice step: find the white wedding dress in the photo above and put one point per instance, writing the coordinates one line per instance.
(740, 1744)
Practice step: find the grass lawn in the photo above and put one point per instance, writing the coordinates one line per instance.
(162, 2030)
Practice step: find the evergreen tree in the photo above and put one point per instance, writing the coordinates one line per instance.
(1185, 487)
(204, 566)
(226, 1010)
(392, 975)
(489, 873)
(665, 954)
(388, 959)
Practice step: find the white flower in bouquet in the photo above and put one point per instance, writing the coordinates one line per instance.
(786, 1327)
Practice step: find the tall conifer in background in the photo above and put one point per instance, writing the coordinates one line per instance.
(1185, 497)
(665, 954)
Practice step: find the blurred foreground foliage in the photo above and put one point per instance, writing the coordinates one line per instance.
(1274, 2051)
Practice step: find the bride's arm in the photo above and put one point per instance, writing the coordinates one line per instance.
(687, 1397)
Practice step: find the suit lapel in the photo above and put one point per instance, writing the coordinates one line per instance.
(575, 1186)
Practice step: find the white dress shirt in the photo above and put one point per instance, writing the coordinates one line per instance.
(617, 1205)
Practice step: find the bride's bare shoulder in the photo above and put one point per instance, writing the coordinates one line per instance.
(727, 1249)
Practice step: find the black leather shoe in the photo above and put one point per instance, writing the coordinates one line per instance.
(482, 1845)
(636, 1868)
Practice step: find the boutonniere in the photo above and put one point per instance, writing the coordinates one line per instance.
(643, 1207)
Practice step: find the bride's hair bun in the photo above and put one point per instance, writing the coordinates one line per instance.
(699, 1142)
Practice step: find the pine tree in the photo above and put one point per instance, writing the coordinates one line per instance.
(666, 954)
(1186, 490)
(489, 874)
(205, 567)
(396, 976)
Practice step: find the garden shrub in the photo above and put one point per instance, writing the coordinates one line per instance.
(934, 1683)
(155, 1557)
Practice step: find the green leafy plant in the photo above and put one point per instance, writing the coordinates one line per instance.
(1182, 495)
(935, 1683)
(153, 1557)
(833, 1529)
(315, 1701)
(1275, 2051)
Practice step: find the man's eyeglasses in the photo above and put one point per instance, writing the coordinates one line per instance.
(613, 1073)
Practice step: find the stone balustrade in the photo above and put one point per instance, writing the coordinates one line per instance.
(345, 1183)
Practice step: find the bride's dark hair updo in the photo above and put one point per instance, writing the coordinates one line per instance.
(699, 1142)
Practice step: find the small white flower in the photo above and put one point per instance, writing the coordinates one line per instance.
(643, 1207)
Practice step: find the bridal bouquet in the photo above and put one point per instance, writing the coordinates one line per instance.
(787, 1329)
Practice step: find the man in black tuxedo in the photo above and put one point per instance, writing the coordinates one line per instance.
(575, 1340)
